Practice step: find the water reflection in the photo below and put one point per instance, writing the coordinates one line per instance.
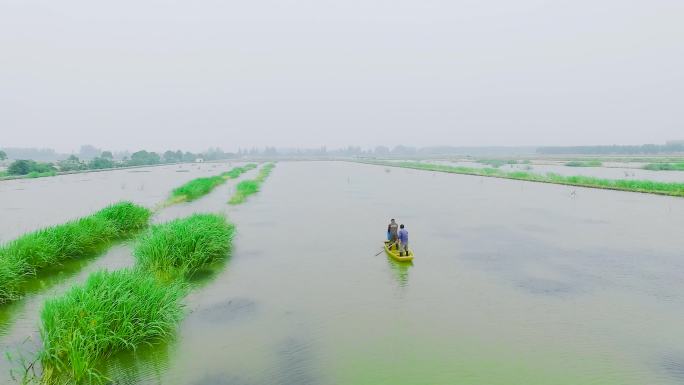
(148, 361)
(46, 279)
(400, 270)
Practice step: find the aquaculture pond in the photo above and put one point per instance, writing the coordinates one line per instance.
(608, 170)
(29, 204)
(513, 283)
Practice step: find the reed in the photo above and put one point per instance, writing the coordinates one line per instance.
(249, 187)
(587, 163)
(243, 190)
(179, 248)
(196, 188)
(496, 163)
(265, 172)
(665, 166)
(200, 187)
(28, 254)
(642, 186)
(111, 312)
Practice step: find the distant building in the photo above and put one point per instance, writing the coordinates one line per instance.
(674, 142)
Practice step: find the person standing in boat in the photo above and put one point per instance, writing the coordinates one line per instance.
(403, 239)
(392, 231)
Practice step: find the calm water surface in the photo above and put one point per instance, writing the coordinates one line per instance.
(513, 283)
(29, 204)
(612, 172)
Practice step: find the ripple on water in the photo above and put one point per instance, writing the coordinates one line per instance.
(547, 287)
(673, 364)
(227, 311)
(294, 363)
(222, 379)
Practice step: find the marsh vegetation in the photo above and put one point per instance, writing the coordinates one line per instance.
(25, 256)
(642, 186)
(249, 187)
(199, 187)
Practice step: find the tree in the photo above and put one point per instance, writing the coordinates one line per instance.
(382, 150)
(23, 167)
(144, 158)
(107, 155)
(3, 155)
(172, 157)
(100, 163)
(19, 167)
(88, 152)
(71, 164)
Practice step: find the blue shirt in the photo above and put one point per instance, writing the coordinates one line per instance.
(403, 236)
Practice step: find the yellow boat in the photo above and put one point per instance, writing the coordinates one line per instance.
(394, 253)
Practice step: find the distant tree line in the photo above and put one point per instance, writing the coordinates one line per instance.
(105, 160)
(670, 147)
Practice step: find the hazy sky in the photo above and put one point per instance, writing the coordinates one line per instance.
(160, 74)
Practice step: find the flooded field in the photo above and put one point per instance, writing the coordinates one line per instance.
(513, 282)
(609, 171)
(29, 204)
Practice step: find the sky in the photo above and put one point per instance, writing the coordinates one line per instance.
(159, 74)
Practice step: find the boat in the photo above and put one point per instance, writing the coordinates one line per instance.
(394, 253)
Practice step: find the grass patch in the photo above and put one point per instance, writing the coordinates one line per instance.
(199, 187)
(196, 188)
(496, 163)
(112, 311)
(35, 174)
(117, 311)
(24, 256)
(587, 163)
(249, 187)
(265, 172)
(181, 247)
(643, 186)
(237, 171)
(665, 166)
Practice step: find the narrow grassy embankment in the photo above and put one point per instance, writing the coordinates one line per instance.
(496, 163)
(588, 163)
(642, 186)
(116, 311)
(249, 187)
(28, 254)
(112, 311)
(179, 248)
(199, 187)
(665, 166)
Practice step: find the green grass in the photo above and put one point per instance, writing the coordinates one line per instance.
(237, 171)
(123, 310)
(199, 187)
(265, 172)
(111, 312)
(496, 163)
(26, 255)
(643, 186)
(665, 166)
(196, 188)
(36, 174)
(243, 190)
(588, 163)
(181, 247)
(249, 187)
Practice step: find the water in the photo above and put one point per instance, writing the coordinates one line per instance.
(513, 283)
(612, 171)
(29, 204)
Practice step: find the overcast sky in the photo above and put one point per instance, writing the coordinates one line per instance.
(160, 74)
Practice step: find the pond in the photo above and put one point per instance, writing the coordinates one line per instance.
(513, 283)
